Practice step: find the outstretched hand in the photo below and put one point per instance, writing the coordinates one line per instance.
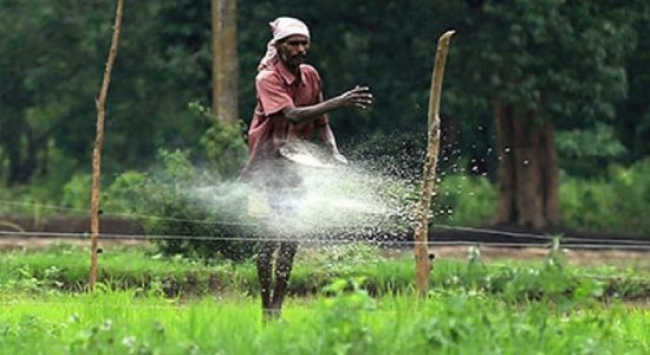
(360, 97)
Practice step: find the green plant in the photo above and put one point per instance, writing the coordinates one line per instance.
(343, 316)
(583, 152)
(616, 203)
(223, 143)
(464, 200)
(182, 212)
(76, 192)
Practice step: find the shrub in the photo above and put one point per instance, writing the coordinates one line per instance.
(583, 152)
(464, 200)
(223, 144)
(614, 203)
(76, 192)
(188, 211)
(183, 211)
(587, 205)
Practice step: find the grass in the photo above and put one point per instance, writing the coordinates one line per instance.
(350, 323)
(65, 268)
(353, 301)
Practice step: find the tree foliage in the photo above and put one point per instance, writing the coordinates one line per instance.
(51, 71)
(581, 64)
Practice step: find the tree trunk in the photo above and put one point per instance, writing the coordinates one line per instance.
(551, 175)
(22, 151)
(14, 157)
(224, 61)
(506, 210)
(528, 169)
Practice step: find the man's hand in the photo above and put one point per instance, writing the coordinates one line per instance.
(360, 97)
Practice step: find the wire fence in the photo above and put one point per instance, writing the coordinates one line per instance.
(627, 245)
(519, 239)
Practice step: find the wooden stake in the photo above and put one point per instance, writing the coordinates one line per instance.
(100, 104)
(423, 262)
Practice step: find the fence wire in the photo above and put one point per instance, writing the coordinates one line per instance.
(629, 245)
(565, 241)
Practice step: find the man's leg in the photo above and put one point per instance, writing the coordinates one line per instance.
(265, 273)
(283, 269)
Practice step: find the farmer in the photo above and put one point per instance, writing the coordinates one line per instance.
(290, 108)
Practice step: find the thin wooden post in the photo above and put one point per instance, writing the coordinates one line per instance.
(423, 262)
(100, 104)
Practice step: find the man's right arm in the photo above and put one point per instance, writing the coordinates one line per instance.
(360, 97)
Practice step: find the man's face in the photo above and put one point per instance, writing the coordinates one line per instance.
(293, 50)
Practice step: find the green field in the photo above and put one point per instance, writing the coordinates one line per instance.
(118, 323)
(349, 300)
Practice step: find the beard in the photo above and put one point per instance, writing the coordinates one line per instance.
(294, 60)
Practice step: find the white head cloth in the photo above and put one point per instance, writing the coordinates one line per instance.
(282, 27)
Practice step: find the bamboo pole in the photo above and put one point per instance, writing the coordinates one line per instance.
(100, 104)
(423, 260)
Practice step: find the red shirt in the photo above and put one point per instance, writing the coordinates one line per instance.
(277, 88)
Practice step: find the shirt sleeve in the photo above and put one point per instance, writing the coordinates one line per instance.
(273, 96)
(323, 119)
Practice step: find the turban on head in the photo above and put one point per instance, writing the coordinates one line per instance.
(282, 27)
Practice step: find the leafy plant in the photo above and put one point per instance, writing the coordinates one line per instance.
(223, 143)
(583, 152)
(464, 200)
(76, 192)
(180, 215)
(615, 203)
(343, 316)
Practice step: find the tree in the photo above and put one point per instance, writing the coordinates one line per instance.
(40, 76)
(225, 62)
(48, 87)
(633, 123)
(543, 64)
(529, 68)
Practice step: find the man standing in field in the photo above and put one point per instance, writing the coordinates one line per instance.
(290, 108)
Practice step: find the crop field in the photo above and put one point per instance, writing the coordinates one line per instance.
(116, 322)
(344, 300)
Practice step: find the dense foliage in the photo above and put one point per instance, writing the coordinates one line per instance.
(574, 59)
(176, 199)
(550, 275)
(579, 64)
